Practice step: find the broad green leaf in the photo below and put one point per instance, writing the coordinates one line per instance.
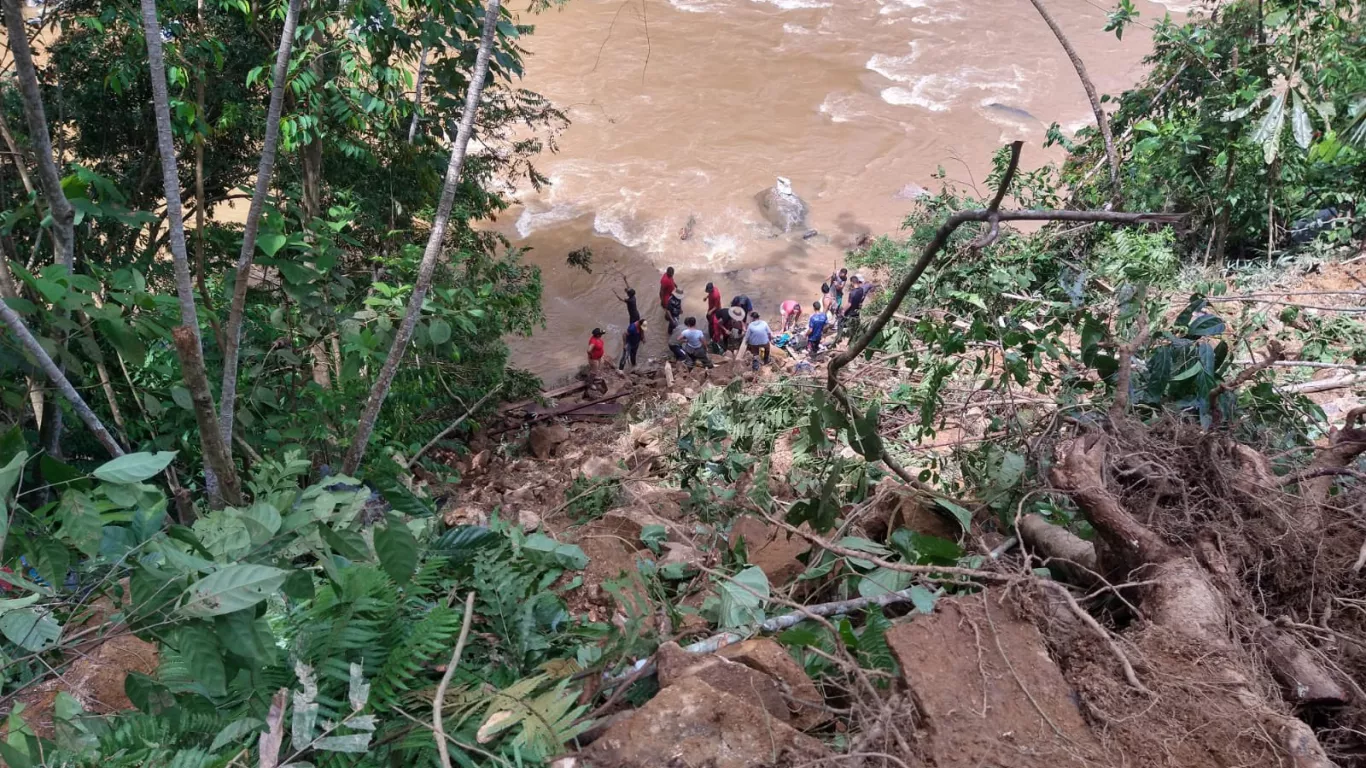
(147, 694)
(183, 398)
(262, 522)
(80, 522)
(236, 732)
(1268, 131)
(231, 589)
(134, 467)
(1242, 112)
(270, 243)
(1299, 122)
(742, 598)
(9, 477)
(198, 646)
(653, 536)
(241, 633)
(1190, 371)
(963, 516)
(563, 555)
(19, 602)
(30, 629)
(397, 551)
(349, 544)
(439, 331)
(883, 581)
(923, 599)
(51, 559)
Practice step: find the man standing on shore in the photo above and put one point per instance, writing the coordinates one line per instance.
(667, 286)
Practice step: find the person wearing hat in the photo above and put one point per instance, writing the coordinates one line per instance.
(674, 309)
(735, 330)
(595, 350)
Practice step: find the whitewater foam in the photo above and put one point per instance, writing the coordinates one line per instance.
(796, 5)
(532, 220)
(837, 106)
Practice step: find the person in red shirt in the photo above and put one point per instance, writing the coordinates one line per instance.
(667, 286)
(713, 298)
(595, 350)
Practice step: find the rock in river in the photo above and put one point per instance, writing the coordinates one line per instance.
(782, 207)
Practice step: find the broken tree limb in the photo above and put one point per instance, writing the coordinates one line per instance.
(435, 243)
(54, 373)
(454, 424)
(1325, 385)
(1072, 555)
(1274, 352)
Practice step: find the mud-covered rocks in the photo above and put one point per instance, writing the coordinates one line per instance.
(545, 438)
(987, 690)
(804, 700)
(770, 548)
(691, 723)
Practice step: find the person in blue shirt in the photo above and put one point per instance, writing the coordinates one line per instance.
(692, 340)
(635, 334)
(742, 301)
(815, 327)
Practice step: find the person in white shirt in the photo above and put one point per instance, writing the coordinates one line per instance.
(691, 339)
(758, 340)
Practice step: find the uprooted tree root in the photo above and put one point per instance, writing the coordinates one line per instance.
(1239, 600)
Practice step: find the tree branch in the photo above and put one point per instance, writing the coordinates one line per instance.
(54, 373)
(453, 425)
(63, 215)
(439, 700)
(1101, 121)
(232, 333)
(440, 222)
(220, 475)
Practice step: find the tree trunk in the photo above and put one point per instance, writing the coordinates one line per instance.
(17, 156)
(417, 95)
(63, 215)
(232, 333)
(440, 222)
(199, 201)
(48, 176)
(1102, 121)
(189, 345)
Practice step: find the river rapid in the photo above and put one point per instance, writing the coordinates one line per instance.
(687, 109)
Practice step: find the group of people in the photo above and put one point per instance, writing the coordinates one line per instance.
(739, 324)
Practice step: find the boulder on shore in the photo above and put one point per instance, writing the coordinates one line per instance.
(781, 206)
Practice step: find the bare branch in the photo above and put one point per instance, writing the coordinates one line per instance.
(232, 333)
(17, 327)
(438, 722)
(453, 425)
(1101, 120)
(434, 242)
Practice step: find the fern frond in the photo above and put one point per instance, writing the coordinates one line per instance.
(425, 642)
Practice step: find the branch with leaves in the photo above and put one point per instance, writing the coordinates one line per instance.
(435, 241)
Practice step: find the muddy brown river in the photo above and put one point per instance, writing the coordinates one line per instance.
(686, 109)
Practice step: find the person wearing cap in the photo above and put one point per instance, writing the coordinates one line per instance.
(674, 309)
(595, 352)
(758, 340)
(634, 336)
(791, 310)
(713, 298)
(667, 286)
(690, 339)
